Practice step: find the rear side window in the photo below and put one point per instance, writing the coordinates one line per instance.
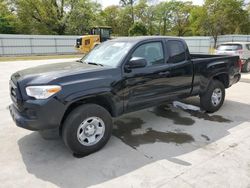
(177, 52)
(229, 47)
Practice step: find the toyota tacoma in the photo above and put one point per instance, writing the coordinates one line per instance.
(118, 76)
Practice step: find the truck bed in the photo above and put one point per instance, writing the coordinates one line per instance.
(212, 59)
(205, 66)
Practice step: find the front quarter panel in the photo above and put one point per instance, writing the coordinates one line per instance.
(104, 83)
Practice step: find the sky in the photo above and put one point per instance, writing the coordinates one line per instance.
(106, 3)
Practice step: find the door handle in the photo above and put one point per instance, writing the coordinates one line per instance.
(167, 73)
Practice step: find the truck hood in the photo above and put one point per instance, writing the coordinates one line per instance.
(55, 68)
(71, 75)
(47, 74)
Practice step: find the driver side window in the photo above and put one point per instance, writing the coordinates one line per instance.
(152, 52)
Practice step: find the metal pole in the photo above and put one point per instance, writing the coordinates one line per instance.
(31, 46)
(2, 46)
(55, 45)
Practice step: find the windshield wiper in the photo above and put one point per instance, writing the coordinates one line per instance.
(89, 63)
(92, 63)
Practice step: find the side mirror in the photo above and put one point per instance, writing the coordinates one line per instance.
(136, 62)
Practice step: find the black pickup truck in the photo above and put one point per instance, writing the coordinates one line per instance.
(118, 76)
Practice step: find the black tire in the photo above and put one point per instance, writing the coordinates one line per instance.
(206, 98)
(246, 66)
(73, 121)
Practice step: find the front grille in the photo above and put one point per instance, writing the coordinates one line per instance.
(13, 92)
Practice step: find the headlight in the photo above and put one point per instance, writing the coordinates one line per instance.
(42, 92)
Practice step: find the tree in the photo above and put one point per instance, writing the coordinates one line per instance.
(161, 18)
(198, 21)
(174, 17)
(83, 15)
(42, 16)
(146, 14)
(138, 29)
(178, 13)
(220, 17)
(8, 20)
(124, 21)
(141, 11)
(56, 16)
(130, 4)
(111, 18)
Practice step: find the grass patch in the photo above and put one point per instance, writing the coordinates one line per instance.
(39, 57)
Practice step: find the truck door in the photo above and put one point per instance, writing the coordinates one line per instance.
(181, 68)
(147, 86)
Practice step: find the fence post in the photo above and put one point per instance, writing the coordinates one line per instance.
(31, 46)
(1, 40)
(55, 44)
(199, 45)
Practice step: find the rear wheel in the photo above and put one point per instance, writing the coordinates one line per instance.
(213, 98)
(246, 66)
(87, 129)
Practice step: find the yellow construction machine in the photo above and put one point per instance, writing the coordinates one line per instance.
(97, 35)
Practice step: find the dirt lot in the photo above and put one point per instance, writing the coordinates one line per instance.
(165, 146)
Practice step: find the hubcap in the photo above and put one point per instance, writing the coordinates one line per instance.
(216, 97)
(90, 131)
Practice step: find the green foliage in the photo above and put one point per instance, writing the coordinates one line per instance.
(8, 21)
(218, 17)
(42, 16)
(131, 17)
(130, 5)
(146, 14)
(138, 29)
(177, 13)
(111, 18)
(198, 22)
(83, 15)
(57, 16)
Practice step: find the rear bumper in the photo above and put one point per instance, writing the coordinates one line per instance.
(38, 114)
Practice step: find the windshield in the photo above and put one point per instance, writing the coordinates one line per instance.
(109, 53)
(229, 47)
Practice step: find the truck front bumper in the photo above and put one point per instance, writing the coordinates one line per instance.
(22, 121)
(38, 114)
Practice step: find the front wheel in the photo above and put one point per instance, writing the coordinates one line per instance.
(87, 129)
(213, 98)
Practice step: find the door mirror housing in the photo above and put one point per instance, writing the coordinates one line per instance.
(136, 62)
